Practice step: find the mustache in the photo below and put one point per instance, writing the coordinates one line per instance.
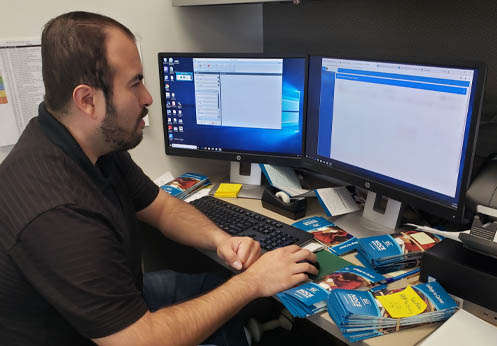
(144, 113)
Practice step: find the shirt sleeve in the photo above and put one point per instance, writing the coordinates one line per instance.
(142, 189)
(76, 263)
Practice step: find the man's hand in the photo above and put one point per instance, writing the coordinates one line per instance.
(239, 252)
(280, 269)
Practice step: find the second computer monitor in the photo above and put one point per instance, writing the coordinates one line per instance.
(236, 107)
(406, 130)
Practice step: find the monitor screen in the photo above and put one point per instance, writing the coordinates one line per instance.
(238, 107)
(406, 130)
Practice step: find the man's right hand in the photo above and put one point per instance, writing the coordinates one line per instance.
(280, 269)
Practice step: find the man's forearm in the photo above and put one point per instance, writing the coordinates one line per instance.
(191, 322)
(183, 223)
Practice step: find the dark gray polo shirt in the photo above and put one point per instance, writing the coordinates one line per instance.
(70, 248)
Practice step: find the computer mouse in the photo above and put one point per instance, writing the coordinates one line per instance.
(315, 264)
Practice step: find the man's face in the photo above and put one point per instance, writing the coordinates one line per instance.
(122, 128)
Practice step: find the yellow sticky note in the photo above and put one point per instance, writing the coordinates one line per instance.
(405, 303)
(228, 190)
(422, 238)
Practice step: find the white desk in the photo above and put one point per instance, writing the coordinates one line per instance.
(405, 337)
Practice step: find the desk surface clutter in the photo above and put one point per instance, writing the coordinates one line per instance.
(367, 283)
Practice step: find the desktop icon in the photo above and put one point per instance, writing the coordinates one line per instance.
(174, 111)
(171, 70)
(180, 112)
(175, 121)
(173, 95)
(173, 103)
(167, 86)
(169, 120)
(168, 112)
(170, 128)
(180, 128)
(168, 95)
(168, 104)
(172, 78)
(175, 129)
(180, 121)
(166, 77)
(171, 136)
(171, 61)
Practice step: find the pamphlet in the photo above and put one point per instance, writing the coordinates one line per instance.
(327, 233)
(285, 179)
(363, 314)
(336, 201)
(311, 297)
(185, 185)
(397, 251)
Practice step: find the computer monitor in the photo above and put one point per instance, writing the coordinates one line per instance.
(404, 130)
(239, 107)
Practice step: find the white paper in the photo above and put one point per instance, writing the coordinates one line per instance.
(22, 84)
(164, 178)
(461, 329)
(204, 191)
(285, 179)
(313, 246)
(337, 200)
(451, 235)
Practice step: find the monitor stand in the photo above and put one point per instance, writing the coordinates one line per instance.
(374, 219)
(248, 174)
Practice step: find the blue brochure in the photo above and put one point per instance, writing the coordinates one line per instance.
(184, 185)
(326, 232)
(311, 297)
(396, 251)
(360, 315)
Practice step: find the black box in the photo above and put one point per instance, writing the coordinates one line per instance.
(462, 272)
(293, 210)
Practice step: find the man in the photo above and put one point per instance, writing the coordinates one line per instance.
(70, 197)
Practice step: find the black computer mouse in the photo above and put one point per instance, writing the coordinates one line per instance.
(315, 264)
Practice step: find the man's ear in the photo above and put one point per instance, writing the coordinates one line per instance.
(84, 98)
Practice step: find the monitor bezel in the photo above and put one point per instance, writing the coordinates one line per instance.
(454, 214)
(240, 156)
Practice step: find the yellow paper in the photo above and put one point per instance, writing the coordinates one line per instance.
(228, 190)
(405, 303)
(422, 238)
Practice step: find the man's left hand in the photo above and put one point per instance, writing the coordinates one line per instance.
(239, 252)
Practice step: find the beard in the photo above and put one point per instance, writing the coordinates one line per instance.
(117, 137)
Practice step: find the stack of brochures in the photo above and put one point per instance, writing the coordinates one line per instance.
(391, 252)
(311, 297)
(327, 233)
(185, 185)
(363, 314)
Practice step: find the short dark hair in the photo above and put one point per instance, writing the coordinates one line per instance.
(73, 52)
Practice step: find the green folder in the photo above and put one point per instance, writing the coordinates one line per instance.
(329, 263)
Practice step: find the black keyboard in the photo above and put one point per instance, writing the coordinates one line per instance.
(270, 233)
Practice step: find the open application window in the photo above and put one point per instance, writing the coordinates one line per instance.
(402, 121)
(238, 92)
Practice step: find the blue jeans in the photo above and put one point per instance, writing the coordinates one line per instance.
(166, 287)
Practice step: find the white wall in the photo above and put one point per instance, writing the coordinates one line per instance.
(160, 27)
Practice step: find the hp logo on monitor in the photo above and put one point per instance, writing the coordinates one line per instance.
(238, 157)
(367, 184)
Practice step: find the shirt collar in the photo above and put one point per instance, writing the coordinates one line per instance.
(59, 135)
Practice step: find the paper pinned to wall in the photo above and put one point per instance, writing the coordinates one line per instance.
(21, 86)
